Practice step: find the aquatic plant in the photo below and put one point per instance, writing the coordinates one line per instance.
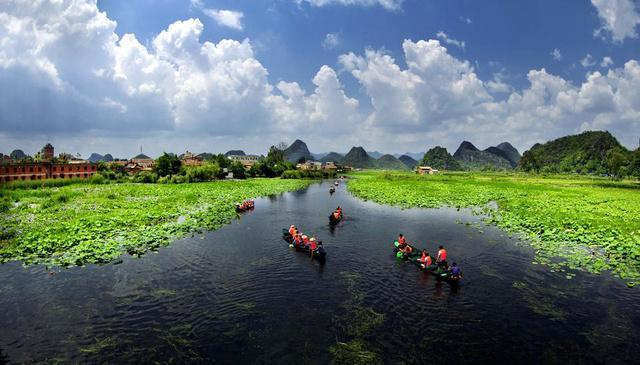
(83, 223)
(590, 223)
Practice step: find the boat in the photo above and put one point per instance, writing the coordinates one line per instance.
(433, 269)
(333, 220)
(319, 254)
(245, 206)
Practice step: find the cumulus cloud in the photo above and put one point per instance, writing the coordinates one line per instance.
(441, 99)
(448, 40)
(63, 70)
(588, 61)
(619, 19)
(387, 4)
(226, 18)
(606, 62)
(331, 41)
(556, 54)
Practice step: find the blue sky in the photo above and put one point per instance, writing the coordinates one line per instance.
(391, 75)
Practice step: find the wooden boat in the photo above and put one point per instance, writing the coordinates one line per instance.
(319, 254)
(245, 206)
(434, 269)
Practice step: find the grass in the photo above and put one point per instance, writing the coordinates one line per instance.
(572, 222)
(82, 223)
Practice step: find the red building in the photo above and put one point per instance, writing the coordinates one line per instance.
(46, 170)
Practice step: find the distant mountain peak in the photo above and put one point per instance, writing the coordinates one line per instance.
(466, 145)
(298, 151)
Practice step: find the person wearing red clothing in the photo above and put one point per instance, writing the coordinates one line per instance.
(312, 246)
(401, 240)
(442, 257)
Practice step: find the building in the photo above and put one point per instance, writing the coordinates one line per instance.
(329, 167)
(46, 170)
(145, 162)
(189, 159)
(309, 166)
(247, 161)
(424, 170)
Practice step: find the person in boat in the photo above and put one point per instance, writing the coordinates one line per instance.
(408, 249)
(442, 257)
(305, 240)
(455, 271)
(297, 239)
(425, 260)
(320, 248)
(313, 245)
(292, 230)
(401, 241)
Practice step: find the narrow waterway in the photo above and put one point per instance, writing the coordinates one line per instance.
(240, 295)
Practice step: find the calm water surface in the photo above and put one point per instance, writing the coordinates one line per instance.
(240, 295)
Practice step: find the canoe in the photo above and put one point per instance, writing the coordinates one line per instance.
(432, 269)
(248, 205)
(319, 254)
(333, 220)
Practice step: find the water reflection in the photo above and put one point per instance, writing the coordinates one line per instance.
(240, 295)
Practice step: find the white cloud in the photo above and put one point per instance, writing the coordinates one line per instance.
(588, 61)
(331, 41)
(619, 18)
(606, 62)
(442, 35)
(387, 4)
(556, 54)
(227, 18)
(465, 20)
(63, 71)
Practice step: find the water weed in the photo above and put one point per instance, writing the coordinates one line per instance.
(86, 223)
(591, 224)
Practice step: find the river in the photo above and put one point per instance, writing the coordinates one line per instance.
(240, 295)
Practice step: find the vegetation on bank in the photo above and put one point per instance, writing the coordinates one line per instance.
(588, 223)
(84, 223)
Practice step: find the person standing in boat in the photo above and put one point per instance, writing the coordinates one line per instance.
(442, 257)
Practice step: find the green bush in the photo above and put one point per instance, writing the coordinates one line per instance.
(206, 172)
(163, 180)
(5, 204)
(97, 179)
(178, 179)
(145, 177)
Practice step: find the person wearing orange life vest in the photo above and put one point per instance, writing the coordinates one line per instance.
(292, 230)
(442, 257)
(298, 238)
(401, 240)
(425, 260)
(305, 240)
(312, 246)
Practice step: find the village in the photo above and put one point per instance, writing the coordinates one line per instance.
(45, 165)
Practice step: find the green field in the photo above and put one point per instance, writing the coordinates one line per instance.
(82, 223)
(572, 222)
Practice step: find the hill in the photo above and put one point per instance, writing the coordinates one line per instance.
(512, 153)
(581, 153)
(408, 161)
(358, 158)
(96, 157)
(332, 157)
(235, 153)
(439, 158)
(142, 156)
(472, 158)
(389, 162)
(375, 154)
(297, 151)
(17, 155)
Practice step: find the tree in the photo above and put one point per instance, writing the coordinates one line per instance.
(616, 161)
(238, 170)
(275, 155)
(168, 164)
(634, 165)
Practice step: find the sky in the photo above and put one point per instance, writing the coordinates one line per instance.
(396, 76)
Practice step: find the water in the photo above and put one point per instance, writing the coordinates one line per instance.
(240, 295)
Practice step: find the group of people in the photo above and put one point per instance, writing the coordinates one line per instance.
(426, 260)
(302, 240)
(247, 204)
